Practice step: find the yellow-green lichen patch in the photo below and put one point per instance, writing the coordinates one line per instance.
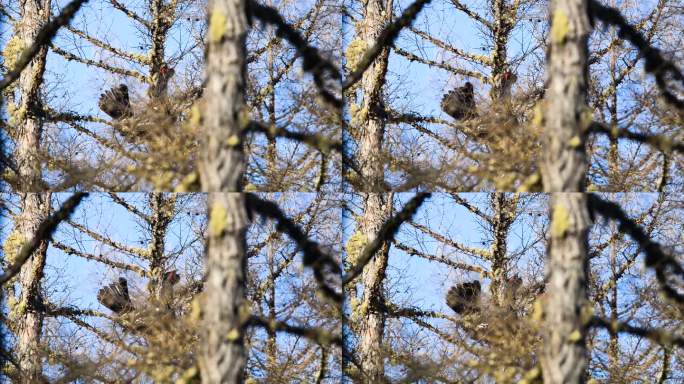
(560, 27)
(560, 221)
(189, 183)
(217, 26)
(191, 375)
(233, 335)
(195, 118)
(586, 314)
(586, 118)
(575, 336)
(357, 241)
(233, 141)
(15, 46)
(354, 53)
(575, 142)
(538, 115)
(218, 220)
(13, 243)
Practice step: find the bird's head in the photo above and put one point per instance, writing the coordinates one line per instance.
(509, 76)
(171, 277)
(166, 72)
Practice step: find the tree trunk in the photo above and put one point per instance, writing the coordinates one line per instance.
(370, 154)
(377, 206)
(566, 115)
(502, 219)
(503, 16)
(563, 168)
(225, 310)
(224, 116)
(162, 17)
(614, 346)
(564, 358)
(34, 13)
(162, 208)
(27, 313)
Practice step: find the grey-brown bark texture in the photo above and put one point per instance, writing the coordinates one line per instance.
(224, 115)
(502, 219)
(566, 117)
(377, 206)
(564, 355)
(377, 13)
(225, 310)
(162, 214)
(27, 312)
(504, 19)
(34, 13)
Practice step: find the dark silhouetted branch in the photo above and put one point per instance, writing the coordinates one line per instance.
(312, 255)
(43, 233)
(44, 37)
(656, 335)
(655, 258)
(386, 233)
(385, 39)
(655, 63)
(315, 334)
(313, 62)
(659, 142)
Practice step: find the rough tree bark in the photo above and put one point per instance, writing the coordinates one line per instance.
(564, 358)
(377, 206)
(34, 13)
(27, 313)
(501, 221)
(223, 116)
(563, 169)
(162, 208)
(377, 13)
(566, 116)
(225, 310)
(162, 19)
(504, 19)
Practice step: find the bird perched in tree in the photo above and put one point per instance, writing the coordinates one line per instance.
(165, 293)
(514, 282)
(159, 87)
(463, 298)
(116, 103)
(115, 296)
(169, 279)
(507, 79)
(460, 102)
